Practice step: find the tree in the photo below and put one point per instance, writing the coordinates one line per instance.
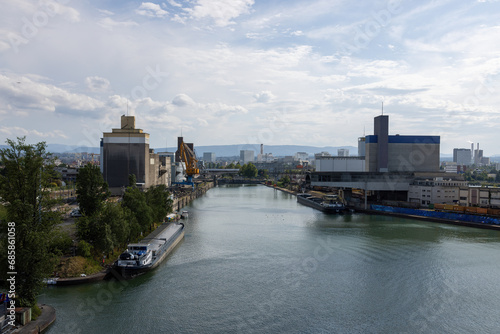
(135, 200)
(91, 189)
(248, 170)
(263, 173)
(158, 199)
(23, 188)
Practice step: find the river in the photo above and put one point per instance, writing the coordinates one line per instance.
(253, 260)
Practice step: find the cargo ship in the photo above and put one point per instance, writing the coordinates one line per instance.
(327, 203)
(147, 254)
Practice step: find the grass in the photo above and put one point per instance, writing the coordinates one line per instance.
(77, 265)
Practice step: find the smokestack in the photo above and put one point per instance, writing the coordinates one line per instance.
(261, 148)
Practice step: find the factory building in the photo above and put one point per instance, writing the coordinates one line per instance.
(246, 156)
(209, 156)
(437, 190)
(395, 153)
(125, 151)
(361, 146)
(462, 156)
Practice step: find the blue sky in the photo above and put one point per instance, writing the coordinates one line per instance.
(250, 71)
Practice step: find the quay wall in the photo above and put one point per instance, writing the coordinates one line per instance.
(187, 197)
(436, 216)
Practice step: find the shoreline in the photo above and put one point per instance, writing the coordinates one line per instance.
(178, 203)
(408, 216)
(41, 324)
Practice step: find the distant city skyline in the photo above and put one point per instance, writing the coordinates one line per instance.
(250, 71)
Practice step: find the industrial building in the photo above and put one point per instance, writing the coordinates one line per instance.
(437, 190)
(462, 156)
(396, 153)
(481, 197)
(246, 156)
(209, 156)
(361, 146)
(340, 164)
(385, 167)
(125, 151)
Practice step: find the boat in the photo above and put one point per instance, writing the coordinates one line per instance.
(327, 203)
(147, 254)
(184, 215)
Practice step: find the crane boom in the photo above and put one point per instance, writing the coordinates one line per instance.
(189, 158)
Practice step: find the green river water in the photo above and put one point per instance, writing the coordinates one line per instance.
(253, 260)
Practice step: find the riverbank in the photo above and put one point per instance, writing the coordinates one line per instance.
(41, 324)
(245, 244)
(404, 215)
(185, 197)
(431, 219)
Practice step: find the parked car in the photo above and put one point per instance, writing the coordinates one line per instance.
(75, 213)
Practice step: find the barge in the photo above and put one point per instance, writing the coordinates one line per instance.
(327, 204)
(147, 254)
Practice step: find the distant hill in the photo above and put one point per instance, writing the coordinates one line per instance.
(276, 150)
(234, 150)
(61, 148)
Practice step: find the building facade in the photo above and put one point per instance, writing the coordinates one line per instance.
(247, 156)
(395, 153)
(125, 151)
(434, 191)
(209, 156)
(343, 152)
(340, 164)
(361, 146)
(462, 156)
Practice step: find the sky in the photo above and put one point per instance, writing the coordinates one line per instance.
(276, 72)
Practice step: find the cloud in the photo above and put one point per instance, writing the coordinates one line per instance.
(221, 11)
(150, 9)
(24, 94)
(174, 4)
(183, 100)
(97, 84)
(264, 96)
(20, 132)
(109, 24)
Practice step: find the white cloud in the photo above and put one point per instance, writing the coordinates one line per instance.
(20, 132)
(97, 84)
(183, 100)
(173, 3)
(221, 11)
(264, 96)
(110, 24)
(150, 9)
(434, 63)
(23, 93)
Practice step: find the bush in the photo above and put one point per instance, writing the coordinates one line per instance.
(60, 242)
(84, 249)
(35, 312)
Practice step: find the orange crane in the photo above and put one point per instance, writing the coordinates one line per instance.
(189, 158)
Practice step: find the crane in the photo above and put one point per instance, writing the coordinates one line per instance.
(189, 158)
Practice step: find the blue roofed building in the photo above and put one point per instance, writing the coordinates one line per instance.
(396, 153)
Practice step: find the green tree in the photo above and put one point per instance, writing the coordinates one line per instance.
(135, 200)
(132, 180)
(105, 229)
(285, 180)
(248, 170)
(23, 188)
(91, 189)
(263, 173)
(158, 199)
